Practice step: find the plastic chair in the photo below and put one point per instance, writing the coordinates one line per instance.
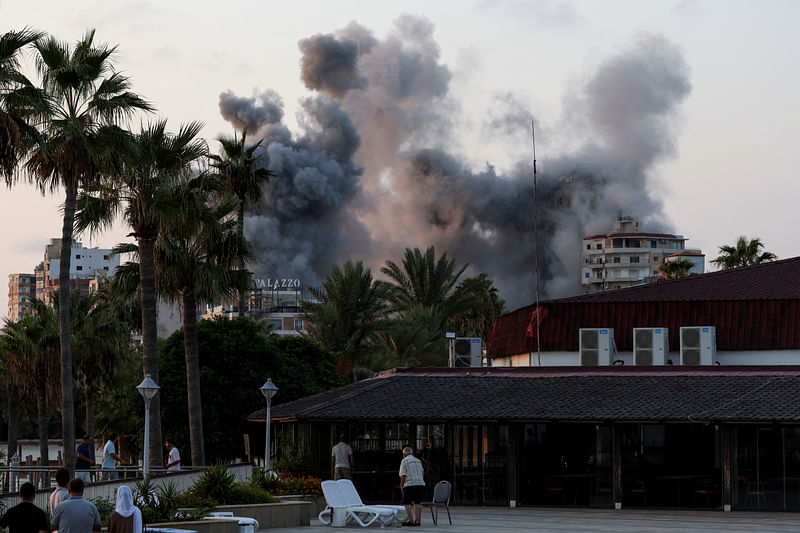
(441, 498)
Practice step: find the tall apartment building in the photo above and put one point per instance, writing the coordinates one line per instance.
(21, 288)
(87, 267)
(628, 256)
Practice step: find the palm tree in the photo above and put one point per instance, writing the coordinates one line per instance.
(11, 385)
(425, 283)
(32, 343)
(348, 309)
(101, 341)
(675, 269)
(414, 337)
(197, 258)
(477, 321)
(745, 252)
(17, 97)
(80, 141)
(428, 282)
(238, 165)
(155, 162)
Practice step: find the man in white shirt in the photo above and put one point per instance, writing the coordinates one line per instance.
(174, 459)
(110, 459)
(412, 485)
(342, 459)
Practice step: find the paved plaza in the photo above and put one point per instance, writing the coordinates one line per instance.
(546, 520)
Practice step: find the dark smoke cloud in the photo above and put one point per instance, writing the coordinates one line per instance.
(377, 167)
(251, 113)
(330, 64)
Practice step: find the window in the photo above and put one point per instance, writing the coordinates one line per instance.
(588, 246)
(597, 246)
(298, 324)
(586, 275)
(105, 257)
(105, 268)
(79, 267)
(634, 259)
(652, 244)
(617, 259)
(77, 257)
(655, 258)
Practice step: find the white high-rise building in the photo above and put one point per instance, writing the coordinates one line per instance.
(628, 256)
(87, 264)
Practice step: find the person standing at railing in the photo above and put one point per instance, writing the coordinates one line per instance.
(110, 459)
(84, 459)
(174, 459)
(25, 517)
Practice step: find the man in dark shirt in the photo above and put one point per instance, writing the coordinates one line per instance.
(84, 459)
(25, 517)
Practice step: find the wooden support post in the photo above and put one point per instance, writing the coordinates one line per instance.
(727, 468)
(617, 467)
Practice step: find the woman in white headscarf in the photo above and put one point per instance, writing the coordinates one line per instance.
(126, 518)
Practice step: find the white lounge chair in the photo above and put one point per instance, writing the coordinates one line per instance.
(344, 505)
(350, 491)
(246, 524)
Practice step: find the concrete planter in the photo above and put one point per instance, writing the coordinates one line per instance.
(221, 525)
(269, 515)
(317, 502)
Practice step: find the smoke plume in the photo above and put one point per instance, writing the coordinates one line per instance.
(376, 166)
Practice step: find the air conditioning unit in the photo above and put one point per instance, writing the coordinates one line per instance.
(468, 351)
(698, 345)
(596, 346)
(650, 346)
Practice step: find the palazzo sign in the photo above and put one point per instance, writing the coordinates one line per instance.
(277, 283)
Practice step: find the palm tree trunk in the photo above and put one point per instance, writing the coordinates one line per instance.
(41, 409)
(90, 412)
(192, 355)
(147, 283)
(242, 294)
(67, 404)
(13, 425)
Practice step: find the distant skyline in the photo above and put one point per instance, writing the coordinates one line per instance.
(684, 113)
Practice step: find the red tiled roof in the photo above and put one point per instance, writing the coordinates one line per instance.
(753, 308)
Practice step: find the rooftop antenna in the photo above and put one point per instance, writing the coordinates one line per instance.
(536, 251)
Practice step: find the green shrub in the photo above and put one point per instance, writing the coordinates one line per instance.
(105, 506)
(215, 483)
(158, 504)
(250, 493)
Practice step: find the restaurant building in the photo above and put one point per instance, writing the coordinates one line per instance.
(721, 434)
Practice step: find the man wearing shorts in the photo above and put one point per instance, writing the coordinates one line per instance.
(413, 486)
(342, 459)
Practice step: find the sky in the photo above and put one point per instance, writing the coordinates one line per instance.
(399, 126)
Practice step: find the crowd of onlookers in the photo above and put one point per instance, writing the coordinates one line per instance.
(69, 511)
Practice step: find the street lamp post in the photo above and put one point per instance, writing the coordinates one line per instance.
(268, 389)
(148, 389)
